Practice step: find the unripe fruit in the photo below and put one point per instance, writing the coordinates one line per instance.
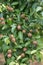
(35, 42)
(26, 18)
(24, 49)
(35, 62)
(31, 31)
(24, 31)
(22, 55)
(1, 18)
(10, 19)
(37, 31)
(1, 35)
(42, 31)
(19, 27)
(2, 59)
(30, 61)
(38, 28)
(29, 35)
(9, 8)
(11, 36)
(9, 55)
(9, 51)
(13, 40)
(23, 16)
(2, 23)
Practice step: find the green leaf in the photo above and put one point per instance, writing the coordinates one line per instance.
(6, 40)
(20, 35)
(5, 47)
(12, 63)
(14, 3)
(33, 52)
(9, 22)
(39, 8)
(40, 43)
(22, 64)
(27, 43)
(1, 43)
(28, 52)
(13, 28)
(25, 59)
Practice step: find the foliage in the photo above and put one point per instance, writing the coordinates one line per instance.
(21, 30)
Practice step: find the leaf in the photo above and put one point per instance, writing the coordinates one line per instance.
(22, 7)
(4, 27)
(25, 59)
(39, 8)
(37, 36)
(34, 51)
(40, 43)
(41, 52)
(1, 43)
(5, 47)
(14, 3)
(22, 64)
(28, 52)
(0, 8)
(13, 28)
(12, 63)
(19, 46)
(20, 35)
(9, 21)
(42, 13)
(8, 61)
(6, 40)
(27, 43)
